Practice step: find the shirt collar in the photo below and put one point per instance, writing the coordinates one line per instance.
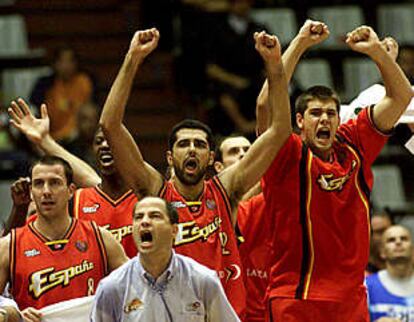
(164, 278)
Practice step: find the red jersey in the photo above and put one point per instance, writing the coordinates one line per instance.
(114, 215)
(321, 214)
(44, 272)
(254, 253)
(206, 234)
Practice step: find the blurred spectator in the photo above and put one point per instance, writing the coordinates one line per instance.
(235, 70)
(64, 92)
(391, 291)
(82, 145)
(380, 221)
(194, 24)
(406, 61)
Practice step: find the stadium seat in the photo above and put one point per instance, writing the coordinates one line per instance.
(13, 36)
(388, 190)
(340, 20)
(279, 21)
(359, 74)
(310, 72)
(397, 20)
(19, 82)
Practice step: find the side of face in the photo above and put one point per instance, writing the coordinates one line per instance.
(49, 189)
(396, 244)
(190, 155)
(233, 149)
(103, 154)
(152, 230)
(379, 225)
(319, 124)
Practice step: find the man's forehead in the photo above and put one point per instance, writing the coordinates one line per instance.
(184, 133)
(321, 104)
(396, 231)
(152, 204)
(52, 170)
(238, 141)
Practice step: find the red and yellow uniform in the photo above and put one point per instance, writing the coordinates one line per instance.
(206, 234)
(256, 231)
(45, 272)
(321, 220)
(114, 215)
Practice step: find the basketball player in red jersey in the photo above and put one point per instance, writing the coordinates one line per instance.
(55, 257)
(253, 224)
(317, 193)
(107, 200)
(205, 207)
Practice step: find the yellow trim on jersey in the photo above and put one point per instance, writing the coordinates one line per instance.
(361, 195)
(309, 225)
(77, 200)
(193, 203)
(54, 242)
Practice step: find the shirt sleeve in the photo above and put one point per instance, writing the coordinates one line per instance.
(4, 301)
(363, 134)
(288, 154)
(218, 307)
(106, 306)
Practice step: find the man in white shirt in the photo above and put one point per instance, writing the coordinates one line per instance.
(391, 291)
(158, 284)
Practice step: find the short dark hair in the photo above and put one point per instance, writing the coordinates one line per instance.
(53, 160)
(171, 212)
(190, 124)
(171, 209)
(218, 153)
(322, 93)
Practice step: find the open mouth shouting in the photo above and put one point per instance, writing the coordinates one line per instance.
(323, 135)
(190, 166)
(105, 158)
(145, 238)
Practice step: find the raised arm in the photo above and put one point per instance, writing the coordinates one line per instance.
(114, 250)
(398, 92)
(139, 175)
(37, 131)
(311, 34)
(240, 177)
(20, 193)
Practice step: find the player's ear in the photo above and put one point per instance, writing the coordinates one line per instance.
(218, 166)
(211, 158)
(169, 157)
(299, 120)
(72, 189)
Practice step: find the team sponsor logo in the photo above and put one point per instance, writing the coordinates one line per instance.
(178, 204)
(119, 233)
(31, 252)
(91, 210)
(328, 182)
(134, 305)
(254, 272)
(231, 272)
(211, 204)
(47, 279)
(189, 232)
(81, 246)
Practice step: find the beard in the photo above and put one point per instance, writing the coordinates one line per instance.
(186, 179)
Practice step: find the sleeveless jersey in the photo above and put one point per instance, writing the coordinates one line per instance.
(383, 303)
(256, 230)
(41, 276)
(205, 233)
(114, 215)
(321, 214)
